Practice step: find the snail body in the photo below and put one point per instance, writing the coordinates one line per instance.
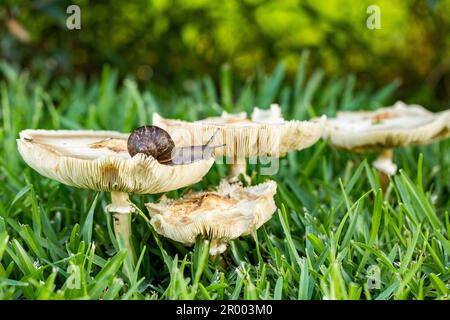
(156, 142)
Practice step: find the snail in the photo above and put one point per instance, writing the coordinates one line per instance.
(151, 141)
(156, 142)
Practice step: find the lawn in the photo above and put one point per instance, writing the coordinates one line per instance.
(335, 235)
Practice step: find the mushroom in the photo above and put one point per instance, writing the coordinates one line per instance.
(228, 213)
(386, 128)
(266, 135)
(99, 160)
(272, 115)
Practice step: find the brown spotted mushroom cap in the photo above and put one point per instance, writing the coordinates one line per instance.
(99, 160)
(220, 216)
(389, 127)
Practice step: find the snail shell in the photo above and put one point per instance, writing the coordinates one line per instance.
(156, 142)
(151, 141)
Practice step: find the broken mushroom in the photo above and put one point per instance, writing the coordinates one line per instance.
(386, 128)
(266, 135)
(99, 160)
(223, 215)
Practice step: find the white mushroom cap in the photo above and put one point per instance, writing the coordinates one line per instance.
(223, 215)
(272, 115)
(395, 126)
(242, 137)
(231, 117)
(99, 160)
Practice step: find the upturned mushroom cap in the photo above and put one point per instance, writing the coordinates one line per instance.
(221, 215)
(243, 137)
(395, 126)
(99, 160)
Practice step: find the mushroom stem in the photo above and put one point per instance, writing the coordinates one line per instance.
(236, 169)
(385, 166)
(121, 208)
(217, 247)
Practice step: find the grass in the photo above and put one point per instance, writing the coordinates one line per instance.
(333, 231)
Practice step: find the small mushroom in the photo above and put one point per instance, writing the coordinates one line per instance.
(266, 135)
(99, 160)
(271, 115)
(386, 128)
(228, 213)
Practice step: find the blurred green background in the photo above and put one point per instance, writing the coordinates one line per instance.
(168, 43)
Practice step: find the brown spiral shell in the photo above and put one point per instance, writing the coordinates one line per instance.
(151, 141)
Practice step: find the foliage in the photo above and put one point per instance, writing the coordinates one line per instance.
(169, 41)
(333, 221)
